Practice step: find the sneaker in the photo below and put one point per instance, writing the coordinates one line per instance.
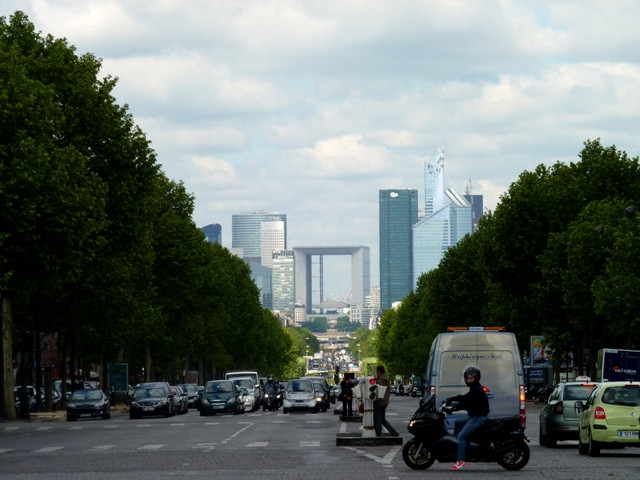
(458, 465)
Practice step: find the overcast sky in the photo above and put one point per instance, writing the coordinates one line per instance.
(309, 108)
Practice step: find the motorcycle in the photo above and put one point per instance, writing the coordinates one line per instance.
(500, 440)
(272, 398)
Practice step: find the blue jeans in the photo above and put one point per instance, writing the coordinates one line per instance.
(465, 427)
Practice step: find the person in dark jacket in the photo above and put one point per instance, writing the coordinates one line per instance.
(346, 392)
(476, 403)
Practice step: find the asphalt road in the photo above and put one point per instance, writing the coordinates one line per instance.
(258, 446)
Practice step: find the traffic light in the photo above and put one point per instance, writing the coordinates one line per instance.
(376, 391)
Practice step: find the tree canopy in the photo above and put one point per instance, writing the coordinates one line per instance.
(537, 266)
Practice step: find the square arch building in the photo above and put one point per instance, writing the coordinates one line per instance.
(360, 281)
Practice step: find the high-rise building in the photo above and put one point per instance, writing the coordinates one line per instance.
(213, 233)
(272, 240)
(448, 218)
(398, 213)
(283, 282)
(246, 233)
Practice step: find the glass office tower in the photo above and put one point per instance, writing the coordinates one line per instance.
(246, 233)
(398, 213)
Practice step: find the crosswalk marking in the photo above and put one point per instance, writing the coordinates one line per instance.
(155, 446)
(102, 447)
(48, 449)
(257, 444)
(5, 450)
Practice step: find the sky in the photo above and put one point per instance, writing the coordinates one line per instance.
(309, 108)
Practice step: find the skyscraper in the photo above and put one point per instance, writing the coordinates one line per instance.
(283, 282)
(246, 233)
(398, 212)
(272, 240)
(212, 233)
(448, 218)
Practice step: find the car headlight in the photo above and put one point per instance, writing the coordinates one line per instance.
(71, 405)
(412, 423)
(205, 401)
(266, 395)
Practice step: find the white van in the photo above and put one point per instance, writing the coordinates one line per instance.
(492, 350)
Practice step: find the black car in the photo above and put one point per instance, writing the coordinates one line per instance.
(90, 403)
(152, 399)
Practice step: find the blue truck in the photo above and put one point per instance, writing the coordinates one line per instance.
(618, 365)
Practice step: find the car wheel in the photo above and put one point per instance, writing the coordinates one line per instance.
(285, 411)
(106, 415)
(594, 447)
(71, 418)
(542, 438)
(203, 413)
(583, 448)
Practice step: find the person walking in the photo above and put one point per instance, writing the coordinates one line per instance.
(476, 403)
(380, 405)
(346, 390)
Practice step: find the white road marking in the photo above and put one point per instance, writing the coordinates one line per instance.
(103, 447)
(154, 446)
(5, 450)
(386, 460)
(48, 449)
(257, 444)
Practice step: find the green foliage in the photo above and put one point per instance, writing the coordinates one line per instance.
(316, 325)
(344, 325)
(97, 244)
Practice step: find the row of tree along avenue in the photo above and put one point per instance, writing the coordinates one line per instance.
(559, 256)
(99, 252)
(97, 246)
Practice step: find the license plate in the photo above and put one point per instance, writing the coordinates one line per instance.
(147, 409)
(218, 407)
(628, 434)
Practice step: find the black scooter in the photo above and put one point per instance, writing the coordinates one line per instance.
(500, 440)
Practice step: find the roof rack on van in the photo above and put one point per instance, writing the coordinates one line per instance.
(475, 329)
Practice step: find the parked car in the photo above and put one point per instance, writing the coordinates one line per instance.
(221, 396)
(609, 418)
(91, 403)
(181, 400)
(559, 417)
(323, 389)
(191, 389)
(301, 395)
(247, 383)
(153, 398)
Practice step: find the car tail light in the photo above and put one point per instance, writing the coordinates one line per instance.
(486, 390)
(523, 404)
(558, 408)
(432, 390)
(600, 415)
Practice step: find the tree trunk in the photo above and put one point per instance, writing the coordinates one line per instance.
(7, 361)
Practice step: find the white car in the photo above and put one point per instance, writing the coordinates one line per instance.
(301, 395)
(248, 400)
(251, 402)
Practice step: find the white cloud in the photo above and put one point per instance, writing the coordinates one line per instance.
(310, 107)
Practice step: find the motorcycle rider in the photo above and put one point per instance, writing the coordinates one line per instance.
(476, 403)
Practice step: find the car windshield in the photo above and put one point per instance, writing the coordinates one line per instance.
(578, 392)
(149, 393)
(86, 395)
(244, 382)
(190, 388)
(624, 396)
(299, 386)
(218, 388)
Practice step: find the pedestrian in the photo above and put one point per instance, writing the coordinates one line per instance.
(380, 405)
(476, 403)
(346, 392)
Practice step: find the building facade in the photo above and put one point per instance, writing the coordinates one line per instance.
(213, 233)
(448, 218)
(246, 233)
(398, 212)
(283, 282)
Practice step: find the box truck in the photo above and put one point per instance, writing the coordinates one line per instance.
(618, 365)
